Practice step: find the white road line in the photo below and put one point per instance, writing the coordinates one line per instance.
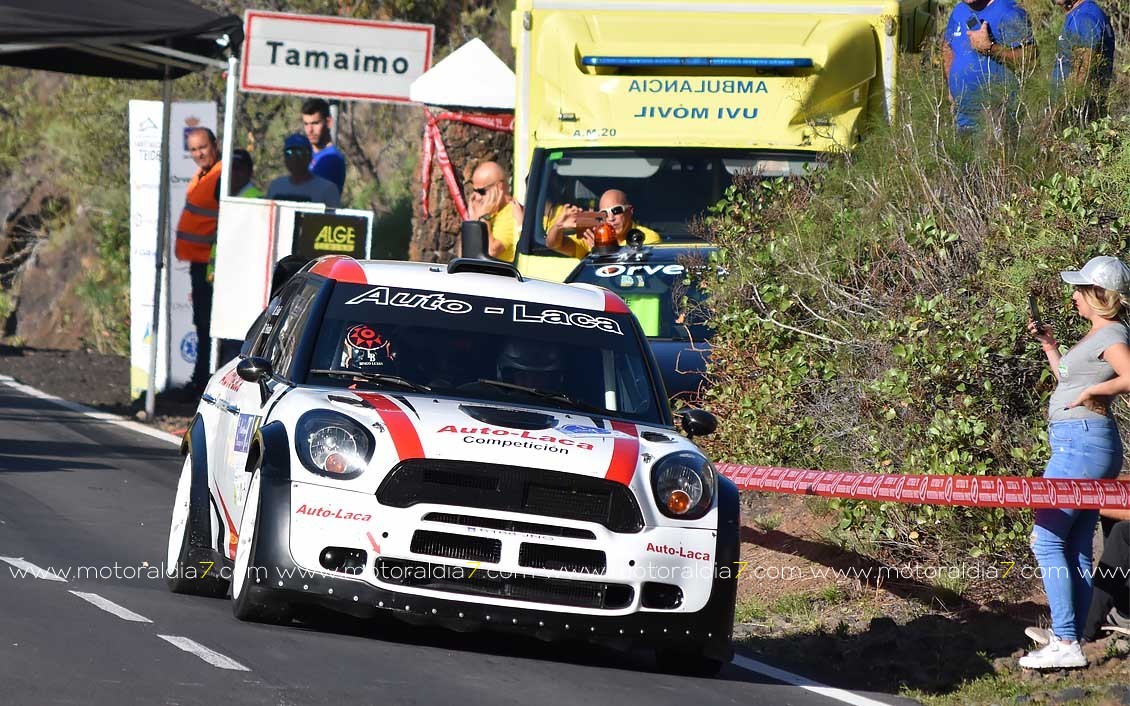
(90, 411)
(31, 569)
(830, 692)
(210, 656)
(111, 607)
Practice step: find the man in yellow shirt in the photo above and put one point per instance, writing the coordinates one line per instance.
(490, 202)
(618, 213)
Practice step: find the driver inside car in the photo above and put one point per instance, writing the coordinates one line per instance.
(534, 364)
(618, 213)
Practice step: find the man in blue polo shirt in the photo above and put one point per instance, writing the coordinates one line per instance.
(987, 43)
(327, 161)
(1084, 58)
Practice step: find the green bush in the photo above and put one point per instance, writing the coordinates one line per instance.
(873, 315)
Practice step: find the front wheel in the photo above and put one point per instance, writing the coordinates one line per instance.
(188, 568)
(251, 599)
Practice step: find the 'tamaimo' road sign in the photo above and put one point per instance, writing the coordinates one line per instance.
(333, 57)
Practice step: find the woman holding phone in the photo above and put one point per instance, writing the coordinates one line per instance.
(1085, 445)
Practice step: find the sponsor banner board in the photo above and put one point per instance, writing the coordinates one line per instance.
(176, 351)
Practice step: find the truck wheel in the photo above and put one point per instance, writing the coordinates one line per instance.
(186, 568)
(686, 661)
(251, 599)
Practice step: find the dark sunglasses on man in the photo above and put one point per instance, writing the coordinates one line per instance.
(482, 191)
(617, 210)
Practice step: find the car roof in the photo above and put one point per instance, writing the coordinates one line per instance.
(477, 278)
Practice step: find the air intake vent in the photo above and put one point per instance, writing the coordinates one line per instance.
(457, 546)
(548, 556)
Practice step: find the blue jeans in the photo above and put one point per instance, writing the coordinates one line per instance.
(1084, 449)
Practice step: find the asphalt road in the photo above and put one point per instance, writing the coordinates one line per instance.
(76, 491)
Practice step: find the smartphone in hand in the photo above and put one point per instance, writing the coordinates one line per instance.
(589, 219)
(973, 23)
(1034, 312)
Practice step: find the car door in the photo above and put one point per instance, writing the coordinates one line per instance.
(250, 403)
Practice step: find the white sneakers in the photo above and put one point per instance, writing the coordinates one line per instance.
(1055, 655)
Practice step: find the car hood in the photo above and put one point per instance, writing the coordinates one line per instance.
(424, 426)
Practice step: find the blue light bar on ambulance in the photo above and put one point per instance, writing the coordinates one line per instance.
(710, 61)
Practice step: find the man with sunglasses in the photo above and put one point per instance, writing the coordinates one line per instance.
(302, 184)
(490, 202)
(618, 213)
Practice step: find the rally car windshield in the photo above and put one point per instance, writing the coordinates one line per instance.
(484, 348)
(667, 305)
(669, 188)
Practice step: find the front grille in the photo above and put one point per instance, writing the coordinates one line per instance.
(547, 556)
(456, 546)
(512, 488)
(509, 525)
(485, 582)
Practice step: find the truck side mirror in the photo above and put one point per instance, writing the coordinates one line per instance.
(473, 240)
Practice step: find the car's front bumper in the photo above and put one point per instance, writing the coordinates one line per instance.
(283, 578)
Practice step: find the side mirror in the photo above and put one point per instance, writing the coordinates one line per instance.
(473, 240)
(258, 370)
(698, 422)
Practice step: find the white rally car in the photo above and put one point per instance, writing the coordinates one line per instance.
(459, 445)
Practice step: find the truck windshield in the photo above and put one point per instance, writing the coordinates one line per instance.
(512, 352)
(669, 187)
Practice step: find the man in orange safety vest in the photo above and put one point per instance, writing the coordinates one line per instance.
(196, 233)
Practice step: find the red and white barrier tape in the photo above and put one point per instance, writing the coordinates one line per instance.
(972, 491)
(433, 146)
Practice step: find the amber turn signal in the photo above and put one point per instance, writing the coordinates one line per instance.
(678, 502)
(336, 463)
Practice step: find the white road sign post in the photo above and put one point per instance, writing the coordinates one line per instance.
(333, 57)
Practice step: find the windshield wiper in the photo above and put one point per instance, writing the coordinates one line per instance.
(379, 378)
(543, 394)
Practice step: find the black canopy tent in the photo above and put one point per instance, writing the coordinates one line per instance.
(130, 39)
(135, 39)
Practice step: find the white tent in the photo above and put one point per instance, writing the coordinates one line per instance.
(472, 76)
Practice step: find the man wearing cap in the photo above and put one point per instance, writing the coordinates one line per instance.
(302, 184)
(618, 213)
(1085, 445)
(195, 237)
(1084, 58)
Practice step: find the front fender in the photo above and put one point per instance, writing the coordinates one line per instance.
(195, 443)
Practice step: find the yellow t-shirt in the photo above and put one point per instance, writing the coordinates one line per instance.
(581, 248)
(504, 229)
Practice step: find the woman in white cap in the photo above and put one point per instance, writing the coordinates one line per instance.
(1085, 445)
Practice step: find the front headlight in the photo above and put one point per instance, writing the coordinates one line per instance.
(684, 485)
(333, 444)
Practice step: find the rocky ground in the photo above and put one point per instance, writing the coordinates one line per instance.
(799, 604)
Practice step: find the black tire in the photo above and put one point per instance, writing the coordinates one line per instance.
(251, 597)
(688, 662)
(189, 567)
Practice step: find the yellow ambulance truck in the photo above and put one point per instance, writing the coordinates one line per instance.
(667, 100)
